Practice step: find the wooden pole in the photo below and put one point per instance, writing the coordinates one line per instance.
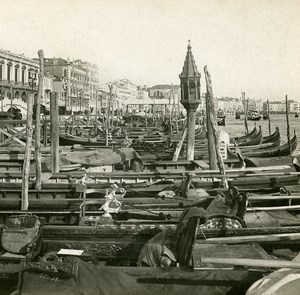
(108, 107)
(246, 112)
(27, 156)
(287, 123)
(179, 145)
(269, 119)
(96, 114)
(213, 123)
(38, 161)
(112, 113)
(54, 133)
(175, 109)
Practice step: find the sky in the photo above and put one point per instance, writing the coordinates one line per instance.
(251, 46)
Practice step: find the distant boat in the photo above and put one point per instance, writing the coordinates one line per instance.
(253, 115)
(221, 118)
(237, 115)
(296, 115)
(265, 116)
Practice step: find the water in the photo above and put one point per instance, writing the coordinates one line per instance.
(236, 127)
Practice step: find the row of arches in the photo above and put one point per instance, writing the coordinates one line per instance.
(17, 94)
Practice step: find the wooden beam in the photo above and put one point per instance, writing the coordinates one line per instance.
(251, 262)
(15, 139)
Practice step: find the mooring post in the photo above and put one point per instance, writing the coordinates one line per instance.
(213, 123)
(38, 164)
(287, 124)
(54, 133)
(27, 156)
(269, 119)
(245, 111)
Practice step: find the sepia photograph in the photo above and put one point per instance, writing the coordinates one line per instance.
(149, 147)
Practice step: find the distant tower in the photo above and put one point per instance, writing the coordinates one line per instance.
(190, 97)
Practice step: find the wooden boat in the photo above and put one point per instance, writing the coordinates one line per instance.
(265, 116)
(282, 150)
(67, 139)
(255, 139)
(273, 161)
(271, 137)
(221, 116)
(245, 137)
(253, 115)
(272, 141)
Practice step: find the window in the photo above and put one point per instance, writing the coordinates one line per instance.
(16, 74)
(65, 72)
(0, 72)
(8, 72)
(23, 76)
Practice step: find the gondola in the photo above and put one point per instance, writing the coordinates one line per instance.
(253, 115)
(282, 150)
(245, 137)
(66, 139)
(221, 116)
(270, 144)
(270, 138)
(254, 140)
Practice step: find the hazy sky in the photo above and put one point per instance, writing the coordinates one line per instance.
(251, 46)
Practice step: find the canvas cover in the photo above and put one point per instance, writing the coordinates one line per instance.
(21, 234)
(100, 280)
(102, 157)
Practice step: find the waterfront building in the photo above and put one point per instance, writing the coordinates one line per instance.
(76, 83)
(167, 92)
(18, 78)
(279, 107)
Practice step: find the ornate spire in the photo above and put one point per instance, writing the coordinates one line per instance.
(189, 67)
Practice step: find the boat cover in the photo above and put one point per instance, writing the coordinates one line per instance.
(93, 279)
(102, 157)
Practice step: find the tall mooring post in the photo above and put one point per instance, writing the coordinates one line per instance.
(190, 97)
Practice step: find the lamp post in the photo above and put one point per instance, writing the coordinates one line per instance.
(32, 79)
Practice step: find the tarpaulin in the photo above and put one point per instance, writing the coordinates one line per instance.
(102, 157)
(104, 280)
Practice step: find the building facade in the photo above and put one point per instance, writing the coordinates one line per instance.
(18, 78)
(76, 83)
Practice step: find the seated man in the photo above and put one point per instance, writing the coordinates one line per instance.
(171, 246)
(159, 251)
